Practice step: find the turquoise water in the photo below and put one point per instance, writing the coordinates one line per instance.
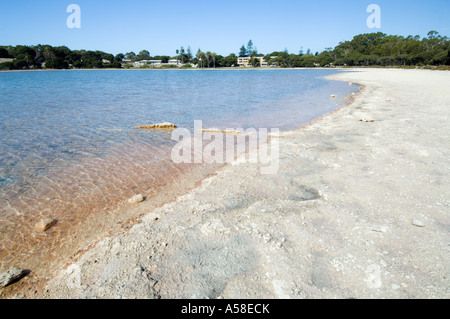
(67, 138)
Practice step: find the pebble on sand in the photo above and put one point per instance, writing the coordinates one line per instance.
(418, 223)
(45, 224)
(11, 275)
(136, 199)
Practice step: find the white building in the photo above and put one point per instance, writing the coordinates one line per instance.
(153, 63)
(175, 62)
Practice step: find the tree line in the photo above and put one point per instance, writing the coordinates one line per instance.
(61, 57)
(372, 49)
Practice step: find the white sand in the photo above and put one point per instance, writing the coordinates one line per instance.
(335, 222)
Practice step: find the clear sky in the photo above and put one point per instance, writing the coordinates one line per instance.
(219, 26)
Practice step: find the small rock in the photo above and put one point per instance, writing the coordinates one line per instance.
(267, 238)
(333, 96)
(380, 229)
(281, 242)
(11, 275)
(136, 199)
(418, 223)
(367, 120)
(45, 224)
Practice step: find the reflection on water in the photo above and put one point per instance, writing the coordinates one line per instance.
(69, 148)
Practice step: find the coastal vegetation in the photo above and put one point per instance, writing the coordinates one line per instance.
(372, 49)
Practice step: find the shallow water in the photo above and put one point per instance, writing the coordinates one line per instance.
(69, 147)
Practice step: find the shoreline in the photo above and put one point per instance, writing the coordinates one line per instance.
(275, 231)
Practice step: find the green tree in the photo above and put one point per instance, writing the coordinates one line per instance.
(20, 64)
(57, 63)
(201, 57)
(4, 53)
(163, 58)
(229, 60)
(143, 55)
(78, 64)
(7, 66)
(243, 51)
(250, 48)
(119, 57)
(182, 55)
(208, 57)
(23, 50)
(61, 51)
(131, 55)
(72, 57)
(255, 62)
(214, 58)
(189, 54)
(92, 59)
(432, 34)
(44, 52)
(114, 65)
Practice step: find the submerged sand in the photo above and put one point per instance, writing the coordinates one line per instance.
(359, 208)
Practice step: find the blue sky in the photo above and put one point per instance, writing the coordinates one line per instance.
(220, 26)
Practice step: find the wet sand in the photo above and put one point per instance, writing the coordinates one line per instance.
(338, 220)
(89, 201)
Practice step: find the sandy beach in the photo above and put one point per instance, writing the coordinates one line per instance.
(359, 208)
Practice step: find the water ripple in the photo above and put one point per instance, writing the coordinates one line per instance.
(68, 147)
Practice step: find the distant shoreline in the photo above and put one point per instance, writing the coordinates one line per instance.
(430, 68)
(171, 69)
